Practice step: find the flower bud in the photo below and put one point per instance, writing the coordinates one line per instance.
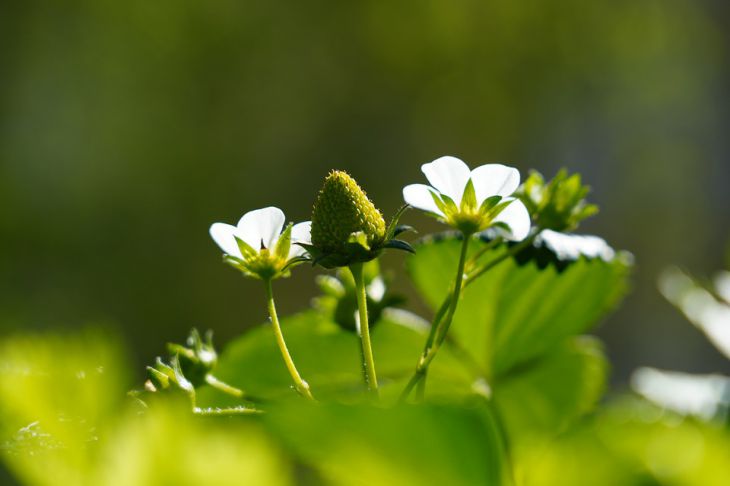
(559, 205)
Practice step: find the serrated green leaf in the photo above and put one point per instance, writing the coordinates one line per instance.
(540, 400)
(517, 312)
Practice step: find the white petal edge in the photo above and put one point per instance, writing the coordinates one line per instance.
(300, 233)
(419, 196)
(494, 180)
(517, 218)
(261, 225)
(569, 246)
(448, 175)
(223, 235)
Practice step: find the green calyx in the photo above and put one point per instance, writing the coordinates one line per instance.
(347, 228)
(197, 357)
(469, 217)
(265, 264)
(558, 205)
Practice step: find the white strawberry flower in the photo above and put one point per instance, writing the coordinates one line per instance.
(257, 245)
(471, 200)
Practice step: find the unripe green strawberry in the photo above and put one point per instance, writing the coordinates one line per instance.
(341, 209)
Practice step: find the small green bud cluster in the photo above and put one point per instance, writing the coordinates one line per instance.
(197, 358)
(189, 367)
(167, 377)
(559, 205)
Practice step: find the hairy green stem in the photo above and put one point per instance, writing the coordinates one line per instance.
(223, 387)
(371, 379)
(217, 412)
(301, 386)
(510, 252)
(439, 331)
(419, 377)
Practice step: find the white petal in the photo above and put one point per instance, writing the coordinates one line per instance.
(517, 218)
(419, 196)
(570, 246)
(449, 175)
(701, 395)
(223, 235)
(722, 284)
(494, 180)
(261, 225)
(300, 233)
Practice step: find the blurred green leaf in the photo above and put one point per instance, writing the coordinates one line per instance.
(59, 379)
(633, 443)
(64, 420)
(543, 398)
(167, 445)
(518, 311)
(365, 445)
(56, 394)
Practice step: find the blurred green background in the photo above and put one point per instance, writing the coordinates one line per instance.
(127, 128)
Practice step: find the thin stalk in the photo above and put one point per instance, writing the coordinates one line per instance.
(216, 412)
(510, 252)
(485, 248)
(432, 344)
(223, 387)
(301, 386)
(371, 379)
(429, 352)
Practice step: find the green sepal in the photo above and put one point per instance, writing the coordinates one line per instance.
(159, 379)
(440, 204)
(494, 212)
(359, 238)
(450, 205)
(402, 228)
(298, 260)
(469, 198)
(283, 245)
(489, 203)
(502, 225)
(180, 379)
(245, 248)
(390, 231)
(399, 245)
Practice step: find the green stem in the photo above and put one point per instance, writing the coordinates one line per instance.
(223, 387)
(510, 252)
(485, 248)
(431, 347)
(371, 379)
(214, 412)
(301, 386)
(441, 329)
